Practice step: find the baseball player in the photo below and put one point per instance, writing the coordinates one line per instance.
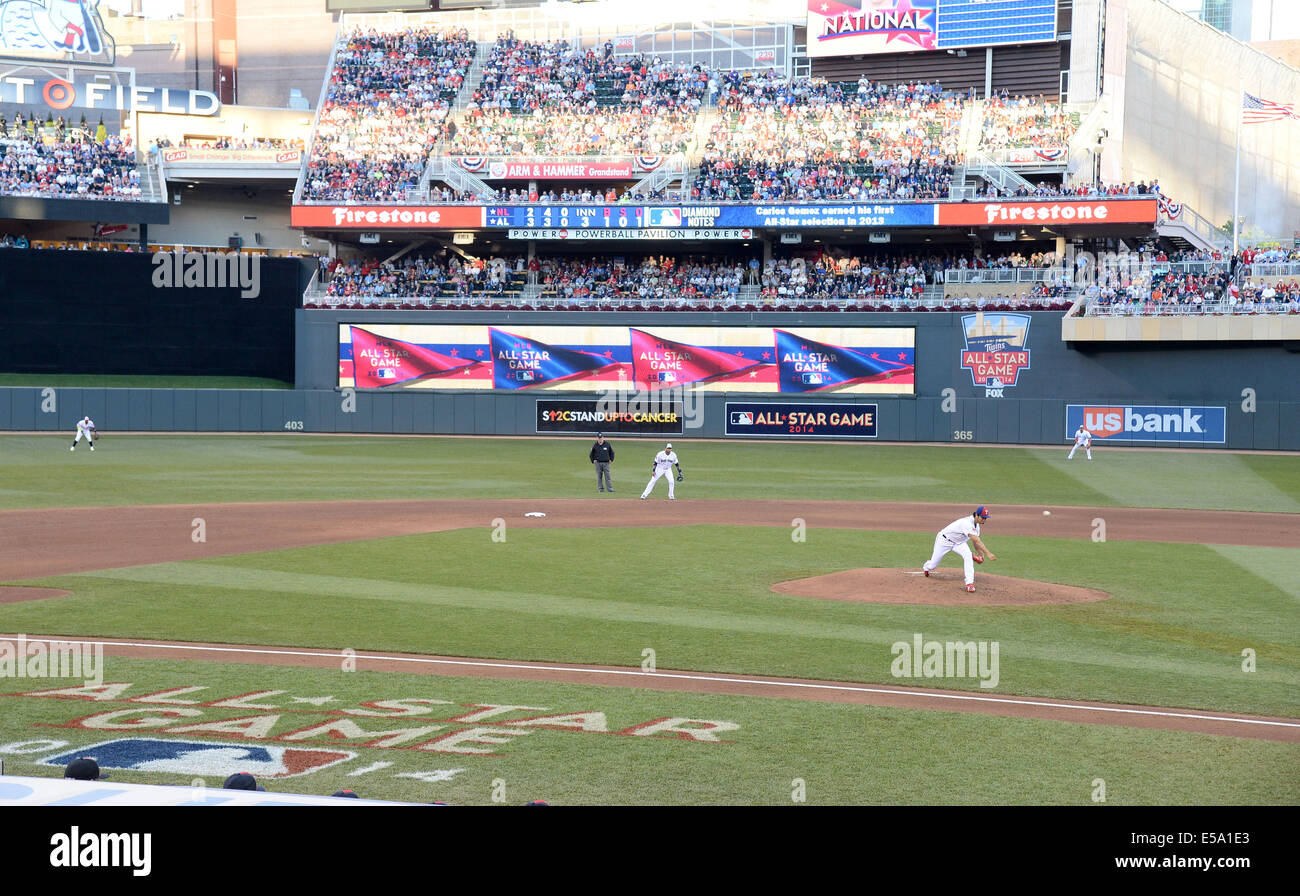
(663, 466)
(86, 427)
(1082, 439)
(954, 539)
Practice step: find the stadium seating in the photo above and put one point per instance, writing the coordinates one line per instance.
(384, 110)
(551, 99)
(1023, 122)
(74, 168)
(808, 139)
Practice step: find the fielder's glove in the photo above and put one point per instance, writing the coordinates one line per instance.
(680, 477)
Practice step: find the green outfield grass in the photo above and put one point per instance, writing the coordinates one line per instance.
(604, 595)
(778, 751)
(41, 472)
(1172, 633)
(125, 381)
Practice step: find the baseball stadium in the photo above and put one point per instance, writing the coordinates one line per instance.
(339, 374)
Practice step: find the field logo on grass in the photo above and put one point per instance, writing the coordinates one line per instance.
(946, 659)
(995, 350)
(197, 757)
(25, 658)
(209, 270)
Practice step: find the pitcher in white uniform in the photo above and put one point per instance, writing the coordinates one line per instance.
(954, 539)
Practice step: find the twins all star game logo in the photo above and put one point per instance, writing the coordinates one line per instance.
(995, 350)
(56, 31)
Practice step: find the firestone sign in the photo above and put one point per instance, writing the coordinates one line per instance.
(1064, 211)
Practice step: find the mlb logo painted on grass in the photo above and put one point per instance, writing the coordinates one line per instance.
(195, 757)
(1148, 423)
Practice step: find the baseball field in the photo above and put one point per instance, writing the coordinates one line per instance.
(383, 615)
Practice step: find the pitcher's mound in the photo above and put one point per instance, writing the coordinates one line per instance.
(944, 588)
(12, 594)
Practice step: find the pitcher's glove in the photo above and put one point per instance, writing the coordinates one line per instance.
(978, 558)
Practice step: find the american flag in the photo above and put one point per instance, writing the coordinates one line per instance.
(1257, 111)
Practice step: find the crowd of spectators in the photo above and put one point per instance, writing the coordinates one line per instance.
(1157, 293)
(420, 276)
(656, 278)
(1023, 122)
(384, 110)
(77, 168)
(1265, 298)
(554, 99)
(810, 139)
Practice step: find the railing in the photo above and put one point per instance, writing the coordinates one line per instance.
(315, 121)
(493, 167)
(1003, 275)
(743, 301)
(1191, 309)
(1275, 269)
(1027, 156)
(1188, 218)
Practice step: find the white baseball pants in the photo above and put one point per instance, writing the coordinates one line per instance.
(943, 546)
(655, 478)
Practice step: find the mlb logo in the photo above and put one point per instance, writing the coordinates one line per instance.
(812, 379)
(742, 418)
(1103, 422)
(385, 373)
(195, 757)
(667, 376)
(524, 376)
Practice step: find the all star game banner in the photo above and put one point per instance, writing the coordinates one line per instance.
(869, 360)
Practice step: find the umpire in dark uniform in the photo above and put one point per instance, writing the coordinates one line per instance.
(602, 455)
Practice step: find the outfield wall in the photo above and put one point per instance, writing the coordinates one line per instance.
(1170, 383)
(1271, 426)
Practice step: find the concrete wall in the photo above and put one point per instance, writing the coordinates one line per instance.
(1180, 85)
(1272, 426)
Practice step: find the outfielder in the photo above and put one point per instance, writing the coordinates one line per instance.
(1082, 439)
(663, 466)
(86, 427)
(954, 539)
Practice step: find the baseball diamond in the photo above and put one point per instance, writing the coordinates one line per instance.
(965, 338)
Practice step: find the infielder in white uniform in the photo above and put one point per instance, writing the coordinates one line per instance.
(954, 539)
(86, 427)
(1082, 439)
(663, 466)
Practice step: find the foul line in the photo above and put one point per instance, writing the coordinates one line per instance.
(684, 676)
